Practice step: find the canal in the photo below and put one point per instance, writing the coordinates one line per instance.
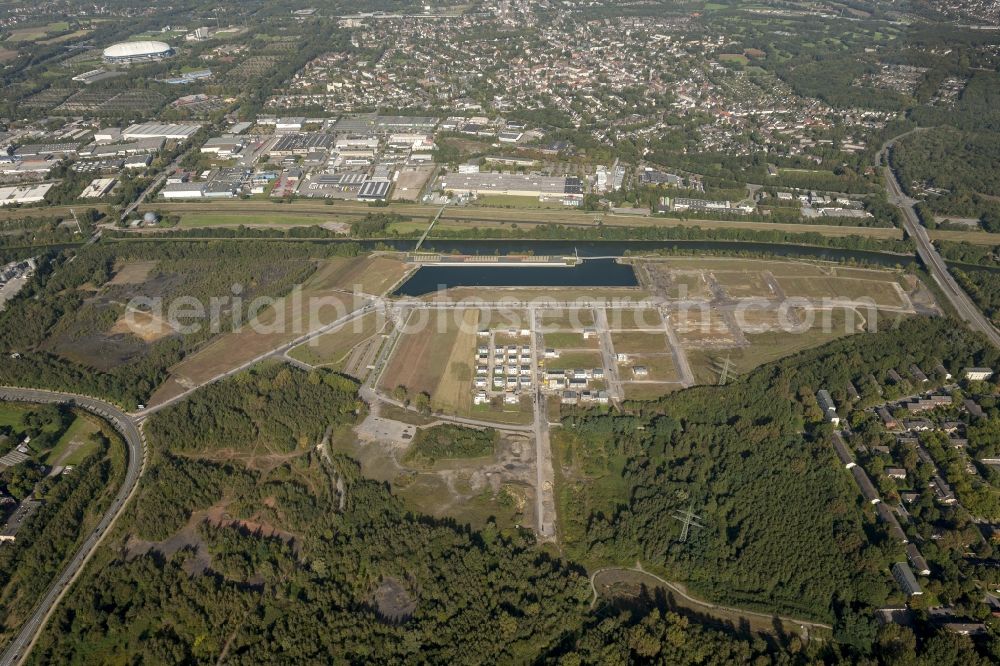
(588, 273)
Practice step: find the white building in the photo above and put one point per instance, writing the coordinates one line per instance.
(24, 194)
(99, 187)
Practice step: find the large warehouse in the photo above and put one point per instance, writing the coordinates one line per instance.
(568, 190)
(125, 52)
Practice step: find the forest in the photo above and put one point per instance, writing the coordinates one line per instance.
(984, 288)
(783, 526)
(284, 553)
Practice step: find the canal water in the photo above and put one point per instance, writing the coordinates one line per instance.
(593, 272)
(589, 273)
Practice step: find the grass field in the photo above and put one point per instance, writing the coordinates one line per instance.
(332, 349)
(706, 364)
(12, 414)
(467, 217)
(566, 319)
(74, 446)
(634, 318)
(275, 219)
(639, 342)
(974, 237)
(132, 272)
(567, 340)
(587, 482)
(454, 390)
(37, 32)
(660, 366)
(575, 359)
(504, 201)
(881, 292)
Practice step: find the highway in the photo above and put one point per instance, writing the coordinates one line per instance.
(963, 305)
(18, 649)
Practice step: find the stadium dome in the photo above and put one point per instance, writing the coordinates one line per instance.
(137, 51)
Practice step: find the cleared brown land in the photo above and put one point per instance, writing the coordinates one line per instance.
(764, 347)
(743, 284)
(370, 274)
(421, 357)
(688, 285)
(144, 325)
(776, 266)
(133, 272)
(411, 182)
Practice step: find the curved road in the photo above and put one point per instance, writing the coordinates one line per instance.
(963, 305)
(700, 602)
(18, 649)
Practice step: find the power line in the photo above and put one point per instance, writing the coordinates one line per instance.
(688, 519)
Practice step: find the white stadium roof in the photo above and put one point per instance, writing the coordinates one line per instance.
(135, 49)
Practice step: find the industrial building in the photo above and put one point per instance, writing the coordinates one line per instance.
(24, 194)
(301, 144)
(143, 51)
(179, 132)
(568, 190)
(183, 190)
(374, 190)
(98, 188)
(226, 145)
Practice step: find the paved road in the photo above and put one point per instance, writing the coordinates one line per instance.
(545, 501)
(18, 648)
(963, 305)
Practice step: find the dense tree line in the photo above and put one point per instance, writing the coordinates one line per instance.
(984, 288)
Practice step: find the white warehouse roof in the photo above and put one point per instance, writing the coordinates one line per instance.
(136, 49)
(160, 130)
